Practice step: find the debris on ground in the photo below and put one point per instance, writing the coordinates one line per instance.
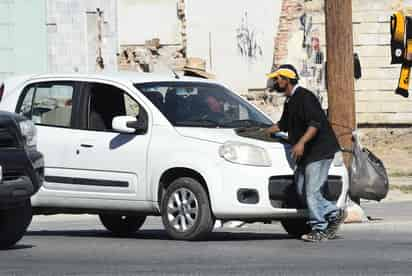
(393, 146)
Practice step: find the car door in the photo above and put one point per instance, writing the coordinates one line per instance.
(51, 106)
(104, 163)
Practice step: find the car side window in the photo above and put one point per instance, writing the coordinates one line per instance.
(104, 102)
(48, 104)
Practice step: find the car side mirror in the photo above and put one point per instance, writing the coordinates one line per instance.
(120, 124)
(129, 124)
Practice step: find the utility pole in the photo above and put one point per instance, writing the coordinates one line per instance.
(340, 71)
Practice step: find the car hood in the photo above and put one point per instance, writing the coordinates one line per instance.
(222, 135)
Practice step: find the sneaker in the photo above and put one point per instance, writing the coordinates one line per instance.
(315, 236)
(334, 225)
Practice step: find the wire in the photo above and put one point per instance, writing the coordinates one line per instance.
(343, 126)
(345, 150)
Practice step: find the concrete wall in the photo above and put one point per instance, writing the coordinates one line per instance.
(23, 42)
(145, 24)
(376, 102)
(141, 20)
(72, 35)
(223, 19)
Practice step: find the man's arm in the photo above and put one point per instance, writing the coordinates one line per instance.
(299, 148)
(309, 135)
(273, 129)
(282, 125)
(312, 114)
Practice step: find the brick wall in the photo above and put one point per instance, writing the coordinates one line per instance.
(376, 102)
(287, 25)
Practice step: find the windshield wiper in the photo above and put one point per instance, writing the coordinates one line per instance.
(198, 123)
(246, 123)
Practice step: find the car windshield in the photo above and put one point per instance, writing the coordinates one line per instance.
(192, 104)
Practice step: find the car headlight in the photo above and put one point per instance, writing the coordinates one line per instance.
(245, 154)
(28, 130)
(338, 159)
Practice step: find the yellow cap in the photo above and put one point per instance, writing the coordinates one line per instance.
(284, 72)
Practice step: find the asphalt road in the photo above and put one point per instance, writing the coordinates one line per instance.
(78, 245)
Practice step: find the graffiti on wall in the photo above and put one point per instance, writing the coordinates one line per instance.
(313, 63)
(247, 38)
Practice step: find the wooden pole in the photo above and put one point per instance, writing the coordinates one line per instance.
(340, 71)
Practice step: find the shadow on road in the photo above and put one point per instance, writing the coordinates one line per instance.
(19, 247)
(162, 235)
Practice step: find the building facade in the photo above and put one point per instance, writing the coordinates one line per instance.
(57, 36)
(79, 33)
(23, 37)
(234, 36)
(302, 27)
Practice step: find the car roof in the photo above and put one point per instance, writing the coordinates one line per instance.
(122, 76)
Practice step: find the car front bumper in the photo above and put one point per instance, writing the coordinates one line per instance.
(269, 190)
(22, 175)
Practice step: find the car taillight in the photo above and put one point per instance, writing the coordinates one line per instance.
(1, 91)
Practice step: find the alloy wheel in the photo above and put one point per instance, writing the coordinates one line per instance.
(182, 210)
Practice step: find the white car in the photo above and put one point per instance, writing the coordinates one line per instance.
(130, 145)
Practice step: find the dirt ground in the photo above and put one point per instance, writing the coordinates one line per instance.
(393, 146)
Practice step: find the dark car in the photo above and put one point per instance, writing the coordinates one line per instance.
(21, 176)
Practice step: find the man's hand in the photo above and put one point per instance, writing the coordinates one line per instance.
(272, 129)
(298, 150)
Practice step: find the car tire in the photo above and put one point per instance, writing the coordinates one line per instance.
(296, 227)
(192, 219)
(122, 226)
(14, 223)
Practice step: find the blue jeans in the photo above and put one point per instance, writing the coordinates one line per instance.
(310, 180)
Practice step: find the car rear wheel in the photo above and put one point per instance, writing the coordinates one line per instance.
(14, 223)
(186, 212)
(296, 227)
(122, 226)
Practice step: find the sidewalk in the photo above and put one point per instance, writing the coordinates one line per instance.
(400, 189)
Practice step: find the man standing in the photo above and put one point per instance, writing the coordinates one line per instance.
(314, 146)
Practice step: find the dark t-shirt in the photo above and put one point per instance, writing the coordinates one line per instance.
(301, 111)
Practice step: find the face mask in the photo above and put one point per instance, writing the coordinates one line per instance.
(279, 89)
(273, 85)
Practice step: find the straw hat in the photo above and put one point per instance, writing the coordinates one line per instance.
(197, 66)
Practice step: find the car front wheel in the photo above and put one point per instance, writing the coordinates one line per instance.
(186, 211)
(14, 223)
(122, 225)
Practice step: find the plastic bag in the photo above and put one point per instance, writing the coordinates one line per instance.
(368, 176)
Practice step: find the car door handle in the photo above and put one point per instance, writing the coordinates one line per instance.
(86, 146)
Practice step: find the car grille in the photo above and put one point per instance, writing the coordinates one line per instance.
(10, 175)
(7, 138)
(282, 187)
